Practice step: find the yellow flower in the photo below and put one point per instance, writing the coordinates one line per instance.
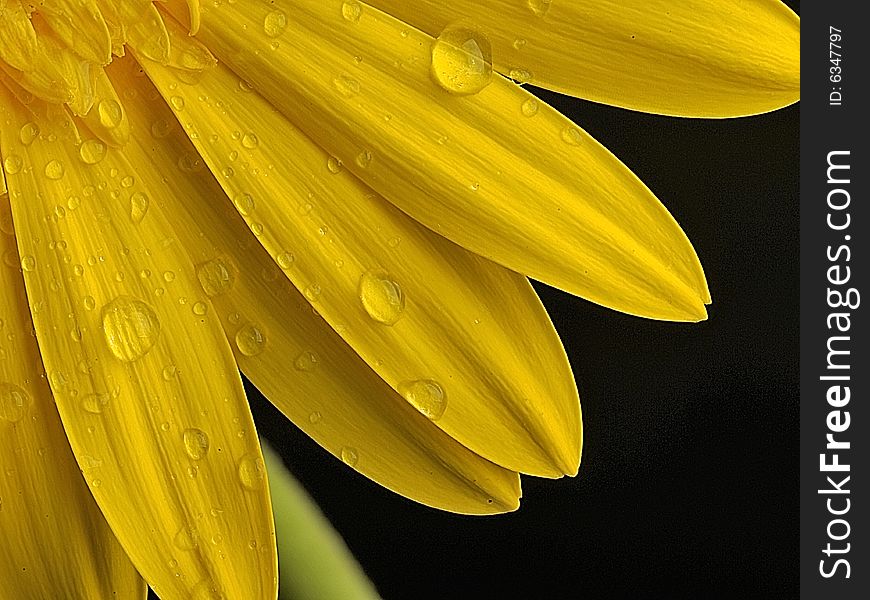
(338, 202)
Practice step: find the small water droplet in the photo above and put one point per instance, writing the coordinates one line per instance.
(425, 395)
(275, 23)
(161, 128)
(252, 471)
(244, 204)
(250, 140)
(520, 75)
(350, 456)
(381, 297)
(572, 136)
(89, 302)
(462, 60)
(285, 260)
(28, 263)
(215, 276)
(177, 102)
(519, 44)
(15, 403)
(185, 539)
(110, 113)
(346, 85)
(333, 164)
(364, 158)
(138, 207)
(315, 418)
(13, 164)
(196, 443)
(199, 308)
(351, 11)
(130, 326)
(539, 7)
(92, 151)
(54, 169)
(94, 403)
(250, 340)
(28, 133)
(306, 361)
(529, 107)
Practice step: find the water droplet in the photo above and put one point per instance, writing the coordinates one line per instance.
(425, 395)
(244, 204)
(161, 128)
(539, 7)
(250, 340)
(92, 151)
(530, 107)
(110, 112)
(381, 297)
(285, 260)
(199, 308)
(572, 136)
(519, 44)
(15, 403)
(138, 207)
(195, 443)
(252, 471)
(347, 86)
(333, 164)
(312, 292)
(28, 133)
(250, 141)
(349, 455)
(177, 102)
(28, 263)
(462, 60)
(89, 302)
(130, 326)
(13, 164)
(364, 158)
(351, 11)
(315, 418)
(207, 589)
(185, 539)
(306, 361)
(215, 276)
(54, 169)
(169, 372)
(275, 23)
(95, 403)
(520, 75)
(128, 181)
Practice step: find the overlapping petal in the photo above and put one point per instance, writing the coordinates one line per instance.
(143, 377)
(497, 172)
(56, 543)
(704, 58)
(300, 364)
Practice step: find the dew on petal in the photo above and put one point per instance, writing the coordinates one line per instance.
(13, 164)
(94, 403)
(250, 141)
(138, 207)
(529, 107)
(250, 340)
(572, 136)
(215, 277)
(185, 539)
(130, 326)
(275, 23)
(15, 403)
(110, 113)
(462, 60)
(28, 133)
(351, 11)
(252, 471)
(54, 169)
(196, 443)
(350, 456)
(539, 7)
(28, 263)
(306, 361)
(381, 297)
(425, 395)
(285, 260)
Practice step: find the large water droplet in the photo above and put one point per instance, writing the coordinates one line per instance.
(195, 443)
(350, 456)
(13, 164)
(130, 326)
(381, 297)
(275, 23)
(462, 60)
(110, 112)
(252, 471)
(92, 151)
(215, 276)
(15, 403)
(138, 207)
(425, 395)
(28, 133)
(250, 340)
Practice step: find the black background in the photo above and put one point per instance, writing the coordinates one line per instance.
(689, 480)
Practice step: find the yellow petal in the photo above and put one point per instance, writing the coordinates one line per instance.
(692, 59)
(56, 542)
(80, 25)
(18, 44)
(497, 172)
(107, 118)
(303, 366)
(466, 341)
(146, 384)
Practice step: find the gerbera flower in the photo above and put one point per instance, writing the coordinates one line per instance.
(338, 202)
